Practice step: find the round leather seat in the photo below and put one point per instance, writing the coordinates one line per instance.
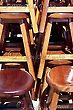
(61, 78)
(61, 15)
(13, 16)
(59, 62)
(15, 82)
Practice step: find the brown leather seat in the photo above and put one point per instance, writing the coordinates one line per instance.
(13, 16)
(15, 82)
(60, 78)
(61, 15)
(15, 85)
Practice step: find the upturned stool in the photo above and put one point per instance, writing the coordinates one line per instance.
(15, 82)
(60, 79)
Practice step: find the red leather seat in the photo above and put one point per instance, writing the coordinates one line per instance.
(15, 82)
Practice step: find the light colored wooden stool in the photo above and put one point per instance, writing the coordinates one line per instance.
(20, 18)
(55, 17)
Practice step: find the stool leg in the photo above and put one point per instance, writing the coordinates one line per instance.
(1, 34)
(44, 50)
(32, 15)
(31, 37)
(71, 30)
(49, 99)
(50, 95)
(37, 16)
(44, 82)
(27, 49)
(27, 102)
(54, 101)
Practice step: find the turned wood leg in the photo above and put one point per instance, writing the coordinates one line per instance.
(54, 101)
(1, 35)
(71, 30)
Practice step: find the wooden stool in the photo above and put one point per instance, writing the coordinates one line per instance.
(50, 18)
(20, 18)
(60, 79)
(46, 32)
(55, 17)
(54, 63)
(15, 82)
(53, 49)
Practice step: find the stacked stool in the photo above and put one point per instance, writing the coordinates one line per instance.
(20, 18)
(13, 80)
(16, 83)
(60, 79)
(49, 19)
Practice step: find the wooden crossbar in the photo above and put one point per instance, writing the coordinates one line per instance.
(60, 9)
(13, 59)
(14, 9)
(59, 57)
(24, 58)
(26, 9)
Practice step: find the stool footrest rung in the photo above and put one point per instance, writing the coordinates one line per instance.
(13, 59)
(59, 57)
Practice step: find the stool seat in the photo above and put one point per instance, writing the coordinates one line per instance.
(61, 78)
(13, 16)
(14, 82)
(59, 62)
(61, 15)
(53, 63)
